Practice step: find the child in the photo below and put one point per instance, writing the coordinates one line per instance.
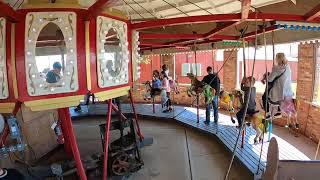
(248, 84)
(165, 87)
(156, 83)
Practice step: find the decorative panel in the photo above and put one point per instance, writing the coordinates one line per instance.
(112, 52)
(4, 94)
(51, 53)
(136, 57)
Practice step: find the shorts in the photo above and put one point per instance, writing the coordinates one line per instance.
(287, 105)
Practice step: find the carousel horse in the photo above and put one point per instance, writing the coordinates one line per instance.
(229, 98)
(259, 124)
(196, 86)
(148, 88)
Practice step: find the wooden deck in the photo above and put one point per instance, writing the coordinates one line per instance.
(225, 131)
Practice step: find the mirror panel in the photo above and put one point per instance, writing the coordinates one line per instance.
(112, 52)
(51, 57)
(4, 94)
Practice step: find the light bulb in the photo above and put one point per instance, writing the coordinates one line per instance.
(63, 83)
(105, 70)
(71, 50)
(70, 38)
(28, 53)
(102, 51)
(71, 62)
(40, 85)
(66, 28)
(33, 75)
(68, 73)
(52, 89)
(34, 30)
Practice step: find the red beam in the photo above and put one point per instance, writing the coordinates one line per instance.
(218, 30)
(169, 36)
(186, 20)
(7, 11)
(245, 8)
(253, 33)
(313, 14)
(98, 7)
(218, 18)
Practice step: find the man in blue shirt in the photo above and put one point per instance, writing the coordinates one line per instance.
(53, 76)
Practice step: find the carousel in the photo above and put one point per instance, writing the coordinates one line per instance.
(55, 55)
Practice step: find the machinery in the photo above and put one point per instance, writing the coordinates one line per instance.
(15, 135)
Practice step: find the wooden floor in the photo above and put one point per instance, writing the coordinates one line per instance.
(225, 131)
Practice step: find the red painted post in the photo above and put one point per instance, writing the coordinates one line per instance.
(106, 140)
(115, 109)
(74, 146)
(135, 116)
(64, 128)
(4, 135)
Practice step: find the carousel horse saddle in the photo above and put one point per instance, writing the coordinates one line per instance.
(251, 113)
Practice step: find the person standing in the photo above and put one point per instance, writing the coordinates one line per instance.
(165, 86)
(280, 82)
(213, 80)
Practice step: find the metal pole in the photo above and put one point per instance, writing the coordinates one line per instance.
(243, 136)
(106, 140)
(74, 146)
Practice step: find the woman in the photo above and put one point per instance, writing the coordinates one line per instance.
(280, 81)
(165, 87)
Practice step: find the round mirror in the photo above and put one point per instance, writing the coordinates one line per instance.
(51, 55)
(112, 53)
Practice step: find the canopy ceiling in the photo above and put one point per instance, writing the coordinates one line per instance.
(153, 19)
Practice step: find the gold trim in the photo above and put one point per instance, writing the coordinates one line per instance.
(13, 60)
(54, 103)
(6, 107)
(87, 41)
(109, 94)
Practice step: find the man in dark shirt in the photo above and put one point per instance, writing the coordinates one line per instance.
(246, 86)
(53, 76)
(213, 80)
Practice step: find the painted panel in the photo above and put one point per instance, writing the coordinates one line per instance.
(4, 94)
(112, 52)
(43, 81)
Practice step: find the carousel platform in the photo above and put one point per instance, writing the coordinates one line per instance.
(225, 131)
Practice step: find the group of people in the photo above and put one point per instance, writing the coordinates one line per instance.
(160, 85)
(278, 93)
